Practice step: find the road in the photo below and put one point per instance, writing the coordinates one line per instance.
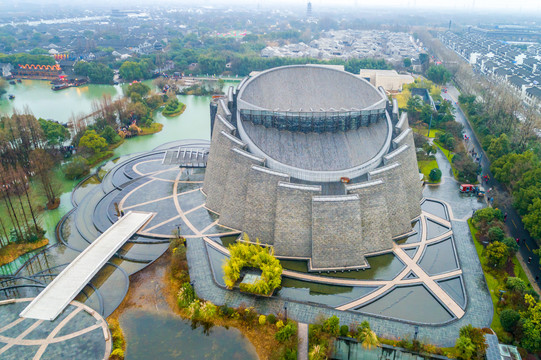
(513, 222)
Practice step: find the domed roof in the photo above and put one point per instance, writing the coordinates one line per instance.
(308, 88)
(314, 123)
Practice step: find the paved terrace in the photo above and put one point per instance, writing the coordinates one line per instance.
(63, 289)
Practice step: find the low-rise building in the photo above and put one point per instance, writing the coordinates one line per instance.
(390, 80)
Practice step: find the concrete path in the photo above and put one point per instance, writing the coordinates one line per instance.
(302, 347)
(63, 289)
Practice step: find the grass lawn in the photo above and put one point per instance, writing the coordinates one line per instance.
(423, 131)
(449, 155)
(426, 166)
(99, 157)
(520, 273)
(152, 129)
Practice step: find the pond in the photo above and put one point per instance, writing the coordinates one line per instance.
(154, 335)
(413, 303)
(37, 95)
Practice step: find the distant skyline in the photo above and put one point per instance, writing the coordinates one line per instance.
(527, 7)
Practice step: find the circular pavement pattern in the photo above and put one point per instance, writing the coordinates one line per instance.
(77, 333)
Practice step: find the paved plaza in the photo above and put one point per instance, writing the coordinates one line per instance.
(78, 333)
(436, 262)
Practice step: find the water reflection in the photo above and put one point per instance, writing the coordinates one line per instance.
(153, 335)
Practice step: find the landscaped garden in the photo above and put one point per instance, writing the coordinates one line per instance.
(173, 107)
(253, 256)
(274, 336)
(516, 307)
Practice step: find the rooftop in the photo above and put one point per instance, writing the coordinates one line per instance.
(308, 88)
(319, 151)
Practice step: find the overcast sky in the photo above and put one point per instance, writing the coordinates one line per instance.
(527, 7)
(512, 5)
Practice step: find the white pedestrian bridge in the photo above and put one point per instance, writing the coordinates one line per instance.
(65, 287)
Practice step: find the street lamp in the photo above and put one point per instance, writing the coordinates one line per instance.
(501, 294)
(429, 124)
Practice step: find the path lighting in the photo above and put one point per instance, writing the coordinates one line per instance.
(416, 332)
(285, 310)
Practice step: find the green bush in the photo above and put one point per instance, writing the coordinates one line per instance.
(344, 329)
(186, 295)
(509, 319)
(271, 319)
(496, 234)
(289, 354)
(486, 215)
(496, 254)
(332, 325)
(516, 284)
(208, 311)
(435, 174)
(117, 354)
(511, 244)
(256, 256)
(110, 135)
(286, 332)
(172, 107)
(532, 293)
(76, 168)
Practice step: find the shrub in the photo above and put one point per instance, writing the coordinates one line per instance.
(110, 135)
(496, 234)
(464, 348)
(271, 319)
(172, 107)
(117, 354)
(332, 325)
(512, 246)
(285, 332)
(344, 329)
(533, 294)
(477, 338)
(207, 311)
(496, 254)
(516, 284)
(253, 255)
(76, 168)
(262, 320)
(366, 336)
(318, 352)
(186, 295)
(289, 354)
(435, 174)
(487, 215)
(92, 142)
(248, 315)
(279, 324)
(226, 310)
(193, 309)
(509, 319)
(118, 340)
